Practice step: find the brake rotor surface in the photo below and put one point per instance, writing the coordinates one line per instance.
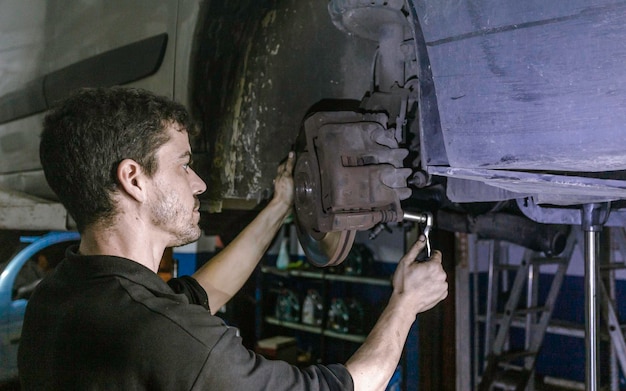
(330, 250)
(321, 248)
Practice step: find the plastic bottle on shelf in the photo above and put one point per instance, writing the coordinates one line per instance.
(312, 308)
(282, 262)
(287, 306)
(338, 316)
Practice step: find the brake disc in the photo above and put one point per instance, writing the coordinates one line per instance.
(348, 177)
(330, 250)
(322, 248)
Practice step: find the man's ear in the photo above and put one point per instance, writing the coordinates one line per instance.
(131, 178)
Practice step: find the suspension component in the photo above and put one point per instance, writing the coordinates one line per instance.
(349, 174)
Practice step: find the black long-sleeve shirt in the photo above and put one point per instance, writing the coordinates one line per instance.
(102, 322)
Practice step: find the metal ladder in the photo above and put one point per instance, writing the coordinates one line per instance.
(512, 369)
(609, 310)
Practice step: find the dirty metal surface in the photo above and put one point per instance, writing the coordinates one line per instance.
(349, 176)
(529, 85)
(260, 66)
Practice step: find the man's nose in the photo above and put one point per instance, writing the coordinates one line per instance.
(198, 185)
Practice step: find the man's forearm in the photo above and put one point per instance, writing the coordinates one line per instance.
(225, 274)
(375, 361)
(417, 287)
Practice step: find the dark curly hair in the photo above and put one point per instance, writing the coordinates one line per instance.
(86, 137)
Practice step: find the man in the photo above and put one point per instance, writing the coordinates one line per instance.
(119, 160)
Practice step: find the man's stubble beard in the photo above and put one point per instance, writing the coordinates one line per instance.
(168, 214)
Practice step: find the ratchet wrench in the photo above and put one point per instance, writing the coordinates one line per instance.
(425, 218)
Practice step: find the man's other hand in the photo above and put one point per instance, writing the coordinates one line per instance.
(420, 285)
(283, 184)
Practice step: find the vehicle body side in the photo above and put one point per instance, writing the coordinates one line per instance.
(520, 102)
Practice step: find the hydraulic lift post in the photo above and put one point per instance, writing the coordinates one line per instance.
(593, 217)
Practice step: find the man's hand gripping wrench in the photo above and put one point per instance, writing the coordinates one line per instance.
(425, 218)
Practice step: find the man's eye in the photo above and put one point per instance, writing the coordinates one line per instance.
(186, 166)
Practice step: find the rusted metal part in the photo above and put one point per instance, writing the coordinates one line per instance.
(329, 250)
(349, 176)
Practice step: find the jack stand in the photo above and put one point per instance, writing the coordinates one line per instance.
(593, 218)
